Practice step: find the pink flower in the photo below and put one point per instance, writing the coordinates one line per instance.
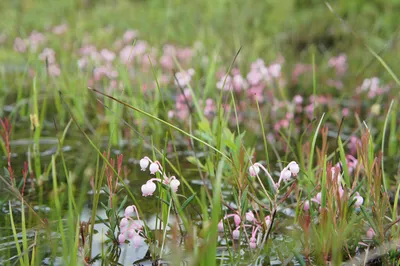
(306, 206)
(121, 238)
(60, 29)
(129, 36)
(236, 219)
(371, 233)
(148, 188)
(107, 55)
(235, 234)
(250, 216)
(20, 45)
(137, 241)
(54, 70)
(317, 198)
(253, 245)
(124, 222)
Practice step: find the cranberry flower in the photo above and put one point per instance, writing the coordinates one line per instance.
(155, 167)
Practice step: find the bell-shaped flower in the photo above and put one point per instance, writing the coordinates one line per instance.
(294, 168)
(144, 163)
(250, 216)
(254, 170)
(121, 238)
(286, 175)
(236, 219)
(154, 168)
(235, 234)
(148, 188)
(174, 184)
(124, 222)
(129, 211)
(359, 200)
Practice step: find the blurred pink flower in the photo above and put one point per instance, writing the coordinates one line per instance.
(60, 29)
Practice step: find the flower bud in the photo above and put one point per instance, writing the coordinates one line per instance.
(253, 245)
(237, 219)
(306, 206)
(370, 233)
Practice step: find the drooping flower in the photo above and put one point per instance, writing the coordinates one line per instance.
(254, 170)
(294, 168)
(144, 163)
(174, 184)
(154, 167)
(371, 233)
(250, 216)
(129, 211)
(286, 175)
(124, 222)
(359, 200)
(235, 234)
(121, 238)
(148, 188)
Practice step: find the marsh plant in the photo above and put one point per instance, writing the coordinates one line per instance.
(124, 146)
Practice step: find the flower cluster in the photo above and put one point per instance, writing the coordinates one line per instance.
(250, 222)
(155, 167)
(130, 229)
(292, 169)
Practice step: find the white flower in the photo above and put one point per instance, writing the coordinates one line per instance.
(286, 174)
(254, 170)
(174, 184)
(144, 163)
(294, 168)
(250, 216)
(148, 188)
(129, 211)
(154, 167)
(359, 200)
